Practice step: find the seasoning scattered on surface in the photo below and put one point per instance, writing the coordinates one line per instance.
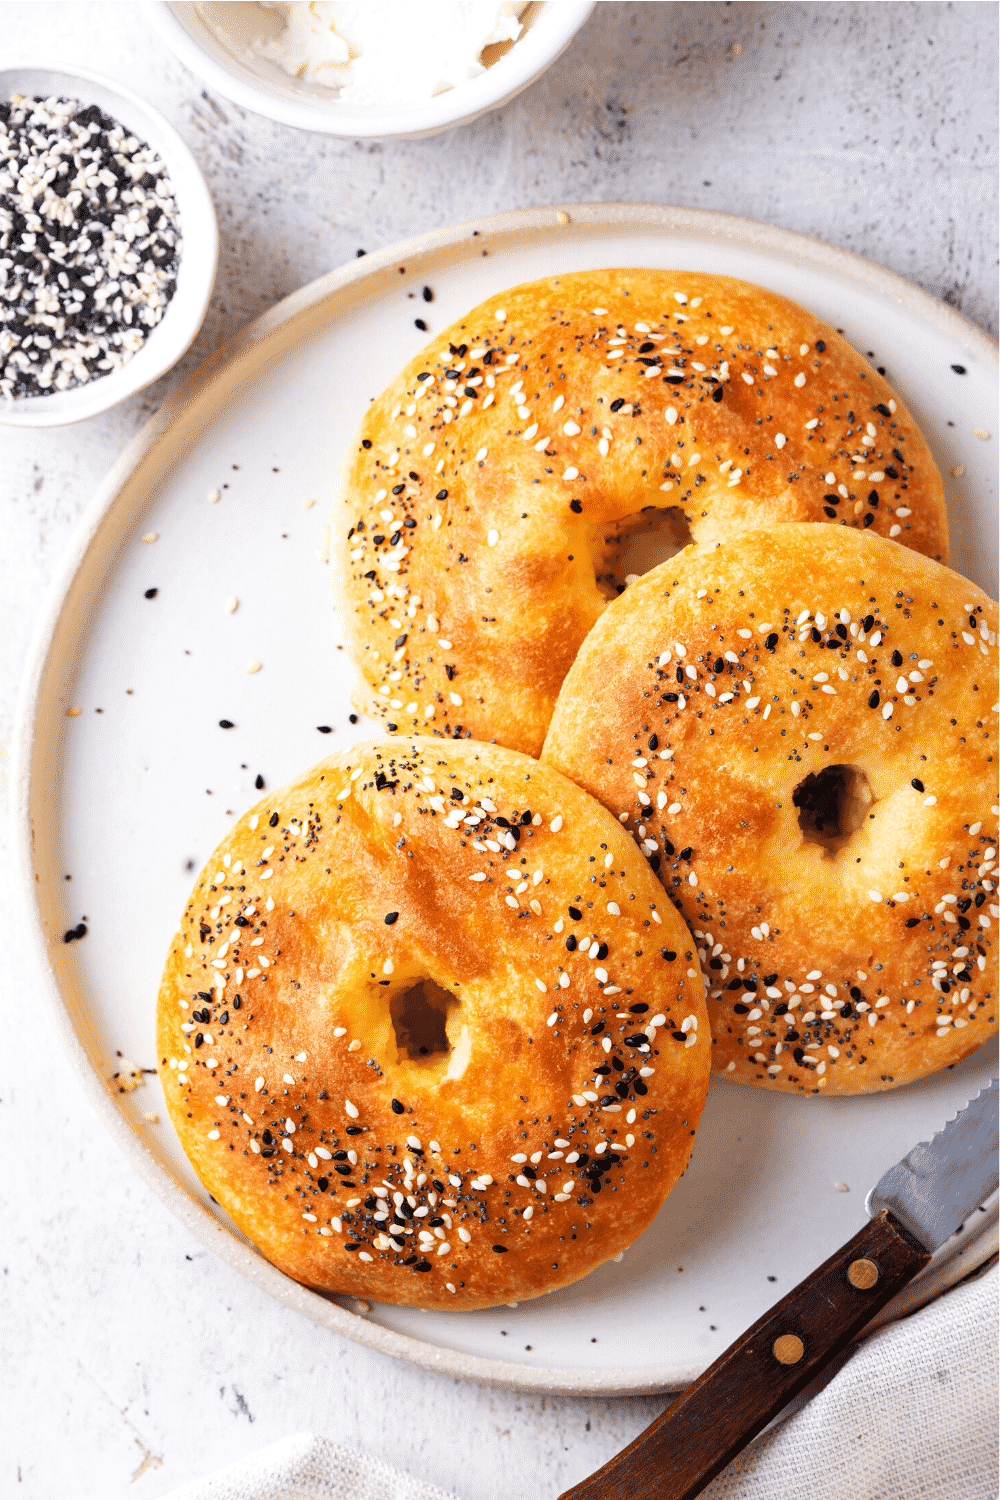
(89, 244)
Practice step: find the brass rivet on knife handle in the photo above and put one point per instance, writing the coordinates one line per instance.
(788, 1349)
(862, 1274)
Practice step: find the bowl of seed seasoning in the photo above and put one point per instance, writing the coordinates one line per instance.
(108, 245)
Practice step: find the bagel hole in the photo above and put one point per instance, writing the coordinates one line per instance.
(833, 804)
(420, 1016)
(625, 549)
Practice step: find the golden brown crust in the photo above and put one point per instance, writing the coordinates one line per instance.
(492, 497)
(296, 972)
(870, 925)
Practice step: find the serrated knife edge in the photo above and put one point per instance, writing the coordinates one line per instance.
(940, 1182)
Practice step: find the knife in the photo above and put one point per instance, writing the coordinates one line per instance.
(913, 1209)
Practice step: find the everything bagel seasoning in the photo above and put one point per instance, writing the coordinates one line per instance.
(89, 244)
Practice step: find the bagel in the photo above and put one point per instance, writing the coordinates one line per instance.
(497, 484)
(802, 722)
(389, 1055)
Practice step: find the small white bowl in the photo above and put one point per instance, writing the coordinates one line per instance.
(174, 334)
(214, 40)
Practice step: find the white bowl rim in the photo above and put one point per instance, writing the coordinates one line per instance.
(456, 107)
(119, 385)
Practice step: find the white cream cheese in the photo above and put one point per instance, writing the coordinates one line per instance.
(388, 52)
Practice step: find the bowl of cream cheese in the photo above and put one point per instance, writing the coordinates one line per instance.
(369, 69)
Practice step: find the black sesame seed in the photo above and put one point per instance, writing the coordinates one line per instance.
(259, 783)
(959, 369)
(638, 1010)
(441, 495)
(226, 724)
(873, 700)
(717, 394)
(419, 323)
(668, 954)
(575, 913)
(398, 1108)
(576, 506)
(391, 917)
(272, 821)
(571, 943)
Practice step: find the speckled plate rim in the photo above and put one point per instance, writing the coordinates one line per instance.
(99, 537)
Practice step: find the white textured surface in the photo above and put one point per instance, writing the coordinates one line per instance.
(869, 126)
(907, 1376)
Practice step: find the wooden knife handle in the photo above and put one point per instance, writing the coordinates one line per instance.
(709, 1423)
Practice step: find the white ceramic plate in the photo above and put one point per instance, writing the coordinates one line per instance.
(173, 336)
(132, 794)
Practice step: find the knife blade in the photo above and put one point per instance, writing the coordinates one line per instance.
(913, 1209)
(941, 1182)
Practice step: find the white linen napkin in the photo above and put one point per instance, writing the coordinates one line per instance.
(913, 1413)
(308, 1467)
